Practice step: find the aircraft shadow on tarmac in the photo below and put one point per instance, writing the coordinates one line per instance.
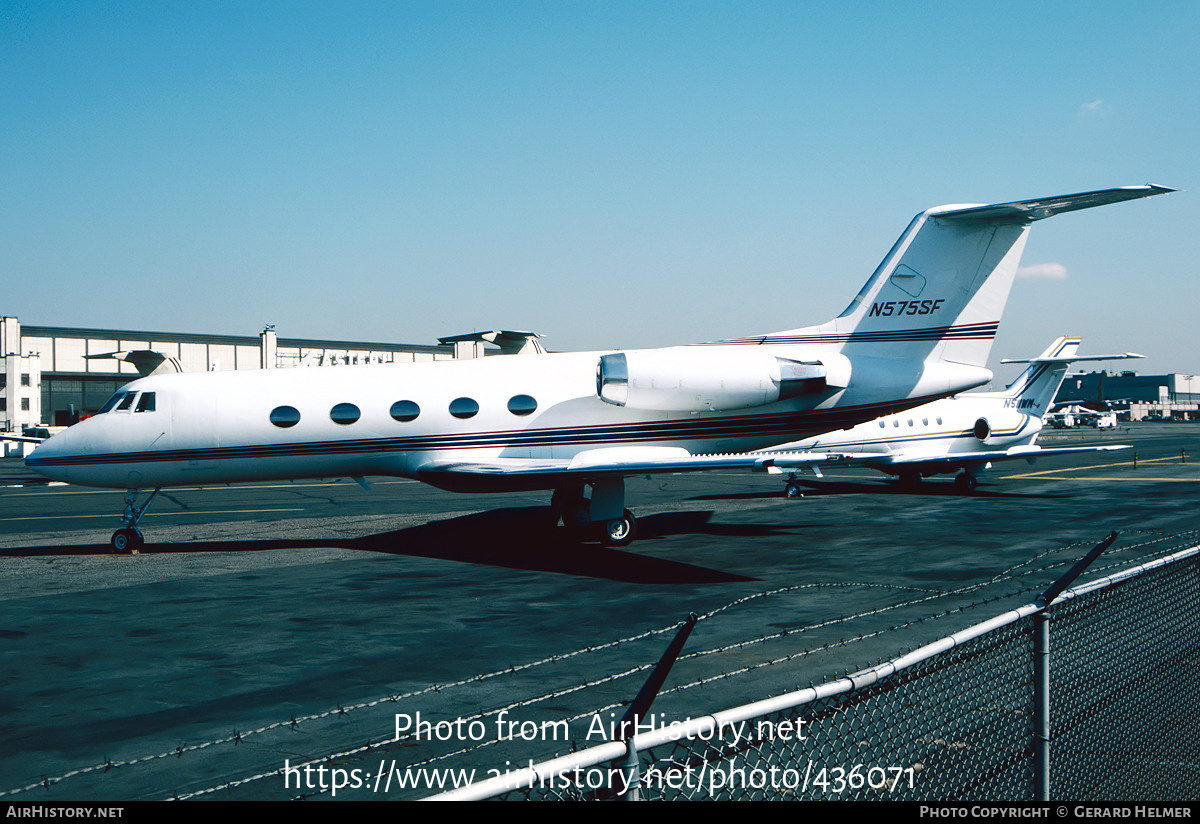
(515, 538)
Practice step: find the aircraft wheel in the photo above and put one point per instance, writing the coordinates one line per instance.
(966, 483)
(619, 531)
(793, 490)
(126, 540)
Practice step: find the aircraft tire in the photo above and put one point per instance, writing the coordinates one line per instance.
(126, 540)
(619, 531)
(965, 482)
(792, 490)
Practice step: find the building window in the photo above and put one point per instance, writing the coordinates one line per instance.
(405, 411)
(344, 414)
(464, 408)
(285, 416)
(24, 404)
(522, 405)
(24, 380)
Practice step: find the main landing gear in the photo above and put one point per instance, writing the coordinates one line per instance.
(602, 517)
(129, 538)
(966, 482)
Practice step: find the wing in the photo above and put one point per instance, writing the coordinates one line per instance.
(1028, 452)
(21, 439)
(508, 474)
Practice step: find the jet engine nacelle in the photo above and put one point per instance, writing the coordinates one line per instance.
(982, 429)
(701, 379)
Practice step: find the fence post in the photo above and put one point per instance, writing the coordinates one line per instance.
(1041, 705)
(1041, 668)
(630, 766)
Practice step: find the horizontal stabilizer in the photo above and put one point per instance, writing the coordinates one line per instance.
(145, 361)
(1027, 211)
(1073, 359)
(509, 341)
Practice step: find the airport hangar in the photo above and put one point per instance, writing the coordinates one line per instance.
(52, 375)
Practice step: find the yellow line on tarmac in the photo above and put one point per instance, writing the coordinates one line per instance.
(1124, 478)
(1097, 466)
(150, 514)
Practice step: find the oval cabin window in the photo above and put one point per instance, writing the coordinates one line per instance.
(405, 411)
(285, 416)
(522, 405)
(344, 413)
(464, 408)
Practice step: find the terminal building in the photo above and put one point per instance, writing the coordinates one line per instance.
(52, 375)
(1135, 397)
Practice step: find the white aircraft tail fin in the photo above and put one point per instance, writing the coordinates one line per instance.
(1034, 389)
(939, 293)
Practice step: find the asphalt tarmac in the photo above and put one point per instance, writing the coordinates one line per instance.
(291, 624)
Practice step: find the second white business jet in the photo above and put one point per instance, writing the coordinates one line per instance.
(964, 434)
(920, 328)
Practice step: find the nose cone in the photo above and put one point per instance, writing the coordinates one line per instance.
(53, 456)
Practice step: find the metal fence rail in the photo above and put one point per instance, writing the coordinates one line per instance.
(953, 720)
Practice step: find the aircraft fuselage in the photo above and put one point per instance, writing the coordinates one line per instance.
(391, 419)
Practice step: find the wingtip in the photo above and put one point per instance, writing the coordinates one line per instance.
(1158, 189)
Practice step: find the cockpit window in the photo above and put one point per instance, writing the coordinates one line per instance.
(145, 402)
(110, 403)
(126, 401)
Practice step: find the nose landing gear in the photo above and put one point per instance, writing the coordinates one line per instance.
(129, 538)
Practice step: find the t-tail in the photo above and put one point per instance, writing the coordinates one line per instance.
(938, 295)
(1034, 389)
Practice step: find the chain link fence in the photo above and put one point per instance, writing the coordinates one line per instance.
(957, 719)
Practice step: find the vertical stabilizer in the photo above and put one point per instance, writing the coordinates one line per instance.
(939, 294)
(1034, 389)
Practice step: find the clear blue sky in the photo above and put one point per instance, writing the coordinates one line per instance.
(607, 173)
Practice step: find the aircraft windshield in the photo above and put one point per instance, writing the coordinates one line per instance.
(111, 402)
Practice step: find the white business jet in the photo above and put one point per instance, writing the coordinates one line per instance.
(964, 434)
(920, 329)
